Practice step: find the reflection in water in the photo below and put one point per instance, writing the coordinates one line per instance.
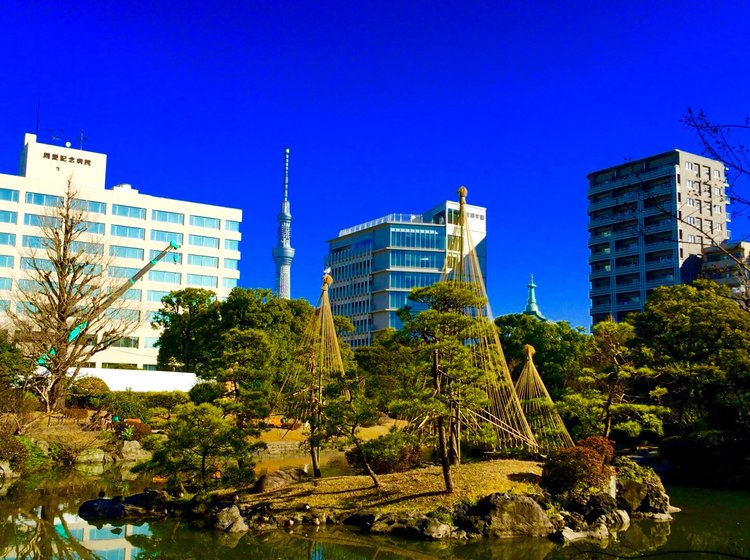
(39, 521)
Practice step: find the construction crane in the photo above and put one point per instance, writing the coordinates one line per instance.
(113, 297)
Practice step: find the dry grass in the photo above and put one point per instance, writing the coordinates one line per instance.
(280, 434)
(417, 491)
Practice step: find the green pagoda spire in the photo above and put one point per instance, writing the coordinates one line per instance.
(531, 307)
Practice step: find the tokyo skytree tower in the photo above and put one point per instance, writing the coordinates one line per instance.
(283, 254)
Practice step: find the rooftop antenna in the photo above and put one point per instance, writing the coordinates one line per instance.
(38, 109)
(83, 138)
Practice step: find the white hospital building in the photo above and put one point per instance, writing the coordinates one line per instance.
(133, 228)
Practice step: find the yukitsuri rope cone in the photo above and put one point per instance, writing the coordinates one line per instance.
(303, 391)
(545, 422)
(504, 412)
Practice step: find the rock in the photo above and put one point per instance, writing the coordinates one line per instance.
(598, 532)
(6, 471)
(93, 456)
(364, 519)
(279, 479)
(229, 520)
(104, 508)
(132, 452)
(433, 529)
(505, 515)
(630, 494)
(656, 499)
(600, 506)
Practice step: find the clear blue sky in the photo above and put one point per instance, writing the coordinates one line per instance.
(387, 107)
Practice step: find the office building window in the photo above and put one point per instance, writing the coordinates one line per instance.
(165, 276)
(9, 195)
(231, 225)
(171, 257)
(231, 264)
(86, 247)
(156, 295)
(150, 341)
(31, 263)
(126, 252)
(232, 244)
(203, 260)
(96, 228)
(129, 211)
(229, 283)
(34, 242)
(166, 236)
(8, 217)
(121, 272)
(417, 259)
(6, 283)
(419, 238)
(205, 222)
(43, 199)
(7, 238)
(120, 314)
(126, 342)
(38, 220)
(203, 241)
(169, 217)
(132, 294)
(127, 231)
(92, 206)
(202, 280)
(408, 280)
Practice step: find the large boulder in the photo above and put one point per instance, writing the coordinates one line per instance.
(279, 479)
(505, 515)
(229, 520)
(132, 452)
(106, 508)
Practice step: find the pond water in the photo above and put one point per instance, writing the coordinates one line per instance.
(38, 520)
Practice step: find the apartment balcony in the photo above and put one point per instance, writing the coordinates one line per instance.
(664, 281)
(634, 179)
(654, 245)
(629, 305)
(611, 219)
(664, 225)
(665, 210)
(628, 285)
(633, 249)
(601, 238)
(601, 256)
(600, 291)
(627, 268)
(666, 263)
(627, 232)
(602, 273)
(601, 308)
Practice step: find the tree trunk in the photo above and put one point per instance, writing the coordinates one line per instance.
(368, 468)
(314, 453)
(454, 439)
(443, 451)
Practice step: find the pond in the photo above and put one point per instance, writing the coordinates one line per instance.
(39, 521)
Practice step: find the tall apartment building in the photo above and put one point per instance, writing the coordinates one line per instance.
(376, 264)
(649, 220)
(131, 228)
(729, 264)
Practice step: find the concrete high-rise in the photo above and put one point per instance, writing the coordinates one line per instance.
(123, 225)
(376, 264)
(649, 221)
(283, 254)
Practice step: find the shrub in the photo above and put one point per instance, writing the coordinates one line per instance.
(573, 472)
(627, 469)
(152, 441)
(87, 392)
(207, 392)
(601, 445)
(13, 451)
(37, 460)
(396, 451)
(128, 430)
(126, 404)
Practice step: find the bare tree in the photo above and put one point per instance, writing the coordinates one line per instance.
(60, 320)
(724, 143)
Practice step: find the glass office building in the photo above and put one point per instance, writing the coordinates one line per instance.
(376, 264)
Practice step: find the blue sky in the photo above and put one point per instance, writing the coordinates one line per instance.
(386, 106)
